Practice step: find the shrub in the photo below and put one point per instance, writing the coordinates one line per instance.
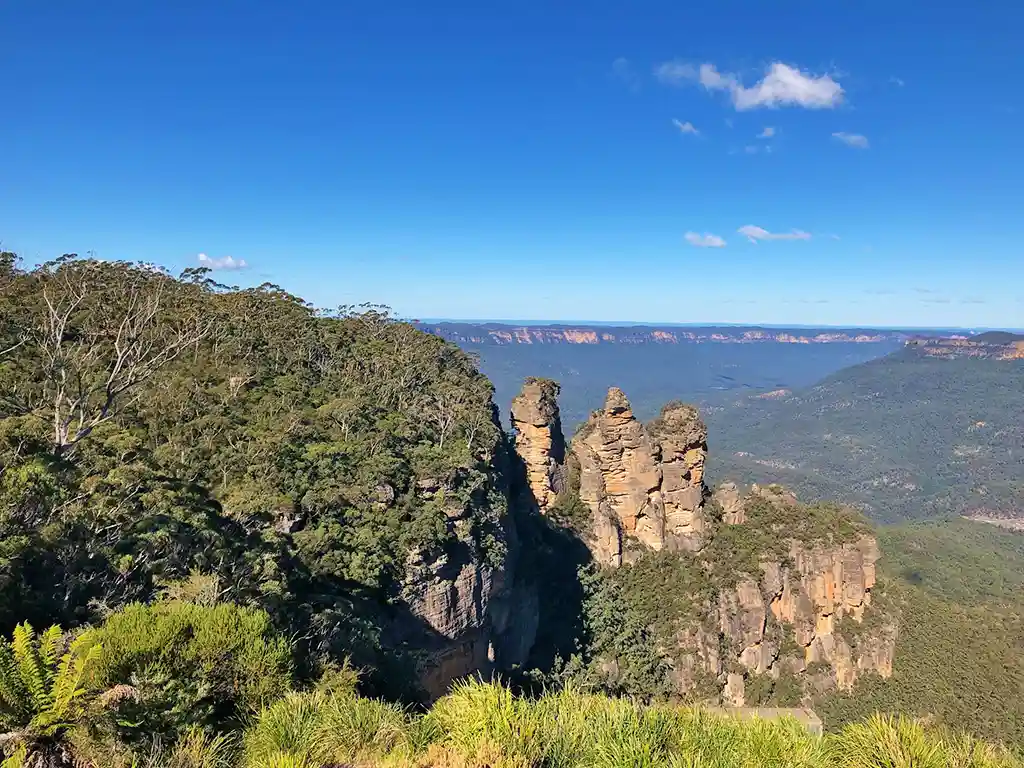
(190, 665)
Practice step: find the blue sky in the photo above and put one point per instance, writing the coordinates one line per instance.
(598, 160)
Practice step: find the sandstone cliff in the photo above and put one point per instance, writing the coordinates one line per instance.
(500, 334)
(469, 613)
(539, 441)
(642, 483)
(780, 592)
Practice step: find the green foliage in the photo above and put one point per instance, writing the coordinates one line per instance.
(905, 437)
(770, 526)
(43, 691)
(189, 665)
(956, 587)
(619, 647)
(294, 458)
(316, 729)
(956, 663)
(960, 560)
(484, 724)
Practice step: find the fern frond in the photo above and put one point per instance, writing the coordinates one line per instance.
(15, 702)
(68, 687)
(30, 665)
(18, 758)
(49, 652)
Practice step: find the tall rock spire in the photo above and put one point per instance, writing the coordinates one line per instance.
(540, 443)
(646, 483)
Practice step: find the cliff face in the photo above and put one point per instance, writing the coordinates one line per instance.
(497, 333)
(989, 346)
(784, 591)
(644, 483)
(466, 615)
(539, 440)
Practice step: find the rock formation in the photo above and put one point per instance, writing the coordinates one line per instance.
(795, 609)
(803, 613)
(776, 591)
(644, 483)
(539, 441)
(467, 616)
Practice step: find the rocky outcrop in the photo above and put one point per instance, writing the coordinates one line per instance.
(728, 498)
(771, 591)
(807, 611)
(466, 616)
(642, 483)
(539, 441)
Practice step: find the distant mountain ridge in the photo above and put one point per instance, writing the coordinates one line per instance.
(501, 334)
(994, 345)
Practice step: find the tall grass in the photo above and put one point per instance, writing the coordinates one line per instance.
(482, 725)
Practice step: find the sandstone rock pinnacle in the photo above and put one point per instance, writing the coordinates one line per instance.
(539, 439)
(646, 483)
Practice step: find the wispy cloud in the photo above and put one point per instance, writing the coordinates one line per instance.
(835, 237)
(781, 86)
(686, 127)
(855, 140)
(937, 300)
(707, 240)
(675, 72)
(754, 234)
(767, 133)
(750, 149)
(973, 300)
(623, 71)
(226, 263)
(897, 81)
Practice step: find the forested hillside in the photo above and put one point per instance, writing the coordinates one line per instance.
(960, 654)
(153, 427)
(908, 436)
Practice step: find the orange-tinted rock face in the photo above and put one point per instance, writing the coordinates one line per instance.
(642, 482)
(539, 441)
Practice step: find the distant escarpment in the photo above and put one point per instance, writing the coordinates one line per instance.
(741, 597)
(498, 333)
(994, 345)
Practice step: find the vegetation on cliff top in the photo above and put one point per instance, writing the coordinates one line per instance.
(151, 427)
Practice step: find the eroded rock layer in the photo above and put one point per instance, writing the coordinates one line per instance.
(539, 441)
(644, 483)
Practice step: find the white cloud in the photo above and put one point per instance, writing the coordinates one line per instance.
(750, 149)
(835, 237)
(707, 240)
(782, 85)
(686, 127)
(852, 139)
(675, 72)
(753, 234)
(767, 133)
(227, 263)
(897, 81)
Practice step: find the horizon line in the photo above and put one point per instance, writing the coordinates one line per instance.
(777, 326)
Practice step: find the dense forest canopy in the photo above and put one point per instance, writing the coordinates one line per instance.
(153, 426)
